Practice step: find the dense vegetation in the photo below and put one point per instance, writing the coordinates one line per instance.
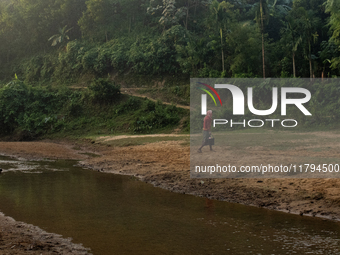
(28, 111)
(49, 44)
(200, 38)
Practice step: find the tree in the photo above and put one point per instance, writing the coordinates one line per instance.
(104, 20)
(61, 37)
(100, 19)
(291, 35)
(175, 13)
(263, 10)
(245, 44)
(221, 15)
(25, 26)
(309, 24)
(333, 8)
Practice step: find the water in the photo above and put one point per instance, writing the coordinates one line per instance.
(114, 214)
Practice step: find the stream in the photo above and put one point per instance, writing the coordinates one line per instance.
(113, 214)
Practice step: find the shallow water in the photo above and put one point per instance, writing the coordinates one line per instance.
(114, 214)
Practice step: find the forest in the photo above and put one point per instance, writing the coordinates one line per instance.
(48, 45)
(59, 40)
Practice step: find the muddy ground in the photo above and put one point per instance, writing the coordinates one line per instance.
(166, 164)
(21, 238)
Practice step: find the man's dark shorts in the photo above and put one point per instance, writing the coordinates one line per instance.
(206, 136)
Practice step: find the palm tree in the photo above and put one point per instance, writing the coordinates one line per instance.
(332, 7)
(291, 35)
(221, 16)
(60, 37)
(263, 10)
(309, 25)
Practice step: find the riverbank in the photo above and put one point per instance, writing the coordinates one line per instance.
(25, 239)
(165, 164)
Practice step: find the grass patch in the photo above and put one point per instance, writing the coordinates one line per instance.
(319, 149)
(144, 140)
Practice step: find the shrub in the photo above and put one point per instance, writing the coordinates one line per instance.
(104, 91)
(161, 117)
(149, 105)
(12, 105)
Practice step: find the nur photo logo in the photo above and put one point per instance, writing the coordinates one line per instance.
(238, 104)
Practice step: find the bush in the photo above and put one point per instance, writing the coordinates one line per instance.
(12, 105)
(161, 117)
(149, 105)
(132, 104)
(104, 91)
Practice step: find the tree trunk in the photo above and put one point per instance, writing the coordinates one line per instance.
(187, 17)
(310, 61)
(262, 33)
(310, 68)
(221, 33)
(195, 9)
(222, 60)
(263, 64)
(294, 74)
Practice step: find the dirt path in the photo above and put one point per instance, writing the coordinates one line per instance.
(132, 92)
(166, 164)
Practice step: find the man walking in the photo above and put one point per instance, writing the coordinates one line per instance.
(206, 131)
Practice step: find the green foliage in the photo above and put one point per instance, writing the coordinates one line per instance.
(39, 110)
(325, 102)
(158, 54)
(150, 106)
(104, 91)
(132, 104)
(61, 37)
(161, 116)
(75, 106)
(68, 63)
(198, 38)
(332, 7)
(245, 43)
(138, 38)
(88, 60)
(12, 105)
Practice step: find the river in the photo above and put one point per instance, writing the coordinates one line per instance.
(113, 214)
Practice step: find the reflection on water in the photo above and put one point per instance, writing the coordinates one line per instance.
(115, 214)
